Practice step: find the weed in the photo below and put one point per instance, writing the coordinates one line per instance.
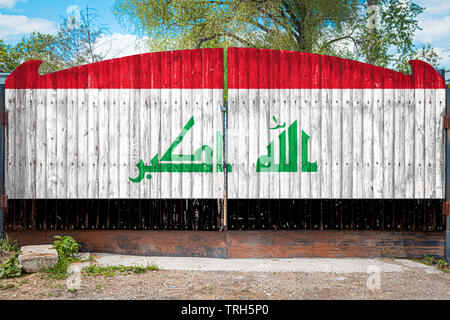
(67, 249)
(6, 286)
(110, 271)
(440, 264)
(11, 268)
(6, 245)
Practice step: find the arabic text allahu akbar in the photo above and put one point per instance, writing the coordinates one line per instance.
(265, 163)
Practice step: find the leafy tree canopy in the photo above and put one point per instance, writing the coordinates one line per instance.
(337, 27)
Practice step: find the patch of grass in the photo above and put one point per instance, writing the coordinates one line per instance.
(111, 271)
(8, 246)
(6, 286)
(440, 264)
(11, 268)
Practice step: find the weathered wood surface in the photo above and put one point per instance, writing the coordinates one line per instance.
(250, 244)
(80, 133)
(374, 133)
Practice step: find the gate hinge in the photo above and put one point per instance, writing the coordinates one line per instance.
(4, 117)
(447, 122)
(446, 208)
(3, 201)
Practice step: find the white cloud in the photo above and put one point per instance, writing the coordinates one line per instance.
(9, 4)
(120, 45)
(73, 8)
(11, 25)
(434, 29)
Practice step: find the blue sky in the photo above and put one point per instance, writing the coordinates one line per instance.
(20, 17)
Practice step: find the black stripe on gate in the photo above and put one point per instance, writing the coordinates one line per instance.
(204, 214)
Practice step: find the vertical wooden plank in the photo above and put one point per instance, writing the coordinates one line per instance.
(326, 125)
(124, 128)
(305, 123)
(378, 149)
(284, 116)
(419, 157)
(388, 137)
(144, 120)
(51, 138)
(243, 109)
(155, 115)
(83, 105)
(30, 111)
(357, 178)
(168, 134)
(186, 108)
(253, 116)
(11, 107)
(21, 143)
(367, 136)
(336, 128)
(72, 135)
(103, 128)
(399, 142)
(207, 121)
(178, 119)
(61, 135)
(265, 116)
(114, 131)
(429, 104)
(197, 113)
(134, 125)
(296, 178)
(316, 127)
(440, 162)
(347, 129)
(275, 109)
(217, 127)
(409, 142)
(93, 107)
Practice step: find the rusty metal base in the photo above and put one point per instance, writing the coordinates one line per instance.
(250, 244)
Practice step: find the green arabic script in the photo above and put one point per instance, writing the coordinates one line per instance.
(164, 164)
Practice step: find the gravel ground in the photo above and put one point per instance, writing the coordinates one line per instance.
(414, 281)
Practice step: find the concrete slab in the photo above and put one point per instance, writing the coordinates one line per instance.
(308, 265)
(33, 258)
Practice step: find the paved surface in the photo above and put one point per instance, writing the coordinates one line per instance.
(240, 279)
(307, 265)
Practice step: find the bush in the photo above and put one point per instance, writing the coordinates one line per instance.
(67, 249)
(6, 245)
(11, 268)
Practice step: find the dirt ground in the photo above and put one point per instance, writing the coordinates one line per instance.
(163, 284)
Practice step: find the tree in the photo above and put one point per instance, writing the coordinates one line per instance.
(77, 41)
(283, 24)
(338, 27)
(36, 46)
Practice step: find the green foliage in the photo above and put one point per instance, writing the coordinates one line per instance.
(283, 24)
(110, 271)
(338, 28)
(11, 268)
(6, 245)
(67, 249)
(36, 46)
(440, 264)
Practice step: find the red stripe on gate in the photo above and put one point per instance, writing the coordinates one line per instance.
(302, 70)
(189, 69)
